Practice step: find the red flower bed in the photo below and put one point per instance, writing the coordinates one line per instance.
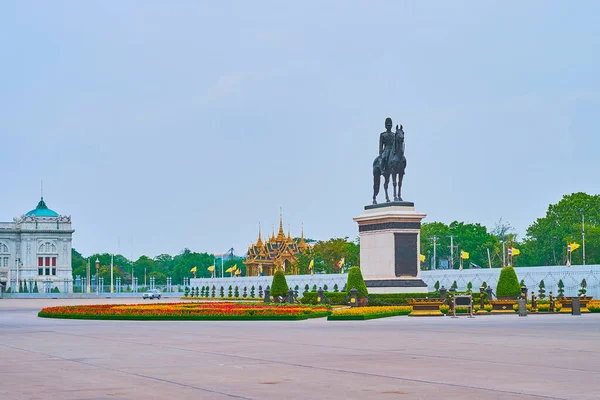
(186, 311)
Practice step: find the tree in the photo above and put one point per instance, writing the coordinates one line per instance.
(327, 253)
(546, 239)
(454, 286)
(279, 286)
(229, 293)
(541, 291)
(437, 286)
(469, 286)
(508, 283)
(355, 280)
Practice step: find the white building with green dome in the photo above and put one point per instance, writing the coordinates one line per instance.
(35, 250)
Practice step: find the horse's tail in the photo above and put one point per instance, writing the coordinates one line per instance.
(377, 166)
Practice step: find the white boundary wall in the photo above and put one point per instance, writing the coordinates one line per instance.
(292, 280)
(571, 277)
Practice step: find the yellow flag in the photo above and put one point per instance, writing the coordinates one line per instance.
(311, 264)
(238, 271)
(260, 268)
(211, 268)
(340, 263)
(515, 251)
(234, 267)
(422, 258)
(193, 269)
(574, 246)
(464, 255)
(231, 269)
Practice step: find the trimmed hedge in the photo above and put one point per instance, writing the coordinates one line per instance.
(366, 316)
(355, 280)
(398, 299)
(333, 297)
(508, 284)
(279, 287)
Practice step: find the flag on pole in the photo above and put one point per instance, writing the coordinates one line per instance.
(311, 264)
(238, 271)
(193, 269)
(422, 258)
(464, 255)
(230, 269)
(340, 263)
(514, 251)
(510, 251)
(260, 269)
(211, 268)
(573, 246)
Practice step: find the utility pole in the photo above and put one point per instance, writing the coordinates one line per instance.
(434, 238)
(112, 259)
(503, 254)
(489, 258)
(87, 277)
(583, 235)
(451, 251)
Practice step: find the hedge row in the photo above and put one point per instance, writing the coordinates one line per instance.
(363, 317)
(333, 297)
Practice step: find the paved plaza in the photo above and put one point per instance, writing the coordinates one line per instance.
(489, 357)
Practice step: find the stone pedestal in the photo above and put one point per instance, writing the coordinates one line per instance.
(390, 235)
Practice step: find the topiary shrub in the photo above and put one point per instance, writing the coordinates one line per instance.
(279, 287)
(508, 284)
(35, 288)
(561, 289)
(541, 291)
(583, 290)
(355, 280)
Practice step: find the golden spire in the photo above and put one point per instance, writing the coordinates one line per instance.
(281, 233)
(259, 242)
(302, 244)
(289, 238)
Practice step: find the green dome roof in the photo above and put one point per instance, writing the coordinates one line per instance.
(42, 210)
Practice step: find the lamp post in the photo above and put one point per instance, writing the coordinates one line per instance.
(111, 273)
(18, 260)
(87, 277)
(97, 277)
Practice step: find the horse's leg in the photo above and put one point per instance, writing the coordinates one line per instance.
(376, 186)
(385, 186)
(400, 178)
(394, 185)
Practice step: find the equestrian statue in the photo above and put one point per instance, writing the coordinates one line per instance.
(391, 161)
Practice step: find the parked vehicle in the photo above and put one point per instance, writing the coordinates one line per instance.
(151, 294)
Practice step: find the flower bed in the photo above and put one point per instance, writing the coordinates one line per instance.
(187, 311)
(363, 313)
(594, 306)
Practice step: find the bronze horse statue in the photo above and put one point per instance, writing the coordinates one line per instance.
(391, 161)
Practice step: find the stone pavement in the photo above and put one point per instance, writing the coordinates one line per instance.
(489, 357)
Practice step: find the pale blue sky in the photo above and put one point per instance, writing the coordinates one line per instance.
(186, 123)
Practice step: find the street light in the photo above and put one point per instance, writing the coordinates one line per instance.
(97, 277)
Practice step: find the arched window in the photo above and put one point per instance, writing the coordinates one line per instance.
(4, 255)
(47, 259)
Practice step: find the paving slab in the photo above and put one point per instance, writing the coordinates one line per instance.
(487, 357)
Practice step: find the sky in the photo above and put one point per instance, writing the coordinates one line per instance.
(164, 125)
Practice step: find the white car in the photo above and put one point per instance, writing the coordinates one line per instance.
(151, 294)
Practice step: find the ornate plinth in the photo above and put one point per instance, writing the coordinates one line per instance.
(567, 304)
(503, 306)
(426, 307)
(390, 248)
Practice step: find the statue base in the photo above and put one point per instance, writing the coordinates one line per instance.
(390, 236)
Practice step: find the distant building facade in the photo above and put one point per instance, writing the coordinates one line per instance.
(35, 250)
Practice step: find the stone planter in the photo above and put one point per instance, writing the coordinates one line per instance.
(567, 304)
(426, 307)
(362, 302)
(503, 306)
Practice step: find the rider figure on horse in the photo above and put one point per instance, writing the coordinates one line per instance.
(391, 161)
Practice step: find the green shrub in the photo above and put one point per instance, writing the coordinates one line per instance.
(541, 291)
(583, 290)
(397, 299)
(35, 288)
(355, 280)
(561, 288)
(508, 283)
(279, 287)
(336, 298)
(436, 286)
